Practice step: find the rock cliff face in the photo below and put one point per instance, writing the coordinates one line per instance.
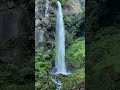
(16, 43)
(73, 7)
(46, 25)
(73, 15)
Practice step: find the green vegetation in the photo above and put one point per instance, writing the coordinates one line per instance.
(75, 52)
(104, 59)
(102, 45)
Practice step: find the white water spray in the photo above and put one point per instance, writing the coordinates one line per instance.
(60, 66)
(58, 83)
(60, 42)
(46, 10)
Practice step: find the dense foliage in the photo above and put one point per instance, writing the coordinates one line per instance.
(16, 45)
(102, 45)
(75, 51)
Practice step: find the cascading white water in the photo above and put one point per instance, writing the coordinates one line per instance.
(47, 6)
(60, 42)
(58, 83)
(60, 66)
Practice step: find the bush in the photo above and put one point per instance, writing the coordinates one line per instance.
(75, 54)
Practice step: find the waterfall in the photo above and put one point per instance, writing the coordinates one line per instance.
(58, 83)
(40, 33)
(60, 66)
(60, 42)
(46, 9)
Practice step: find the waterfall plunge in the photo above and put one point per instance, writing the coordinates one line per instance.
(60, 42)
(46, 10)
(60, 67)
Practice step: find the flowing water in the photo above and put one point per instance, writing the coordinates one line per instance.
(60, 42)
(46, 10)
(60, 66)
(58, 83)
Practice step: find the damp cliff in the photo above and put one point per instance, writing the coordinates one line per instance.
(16, 34)
(73, 16)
